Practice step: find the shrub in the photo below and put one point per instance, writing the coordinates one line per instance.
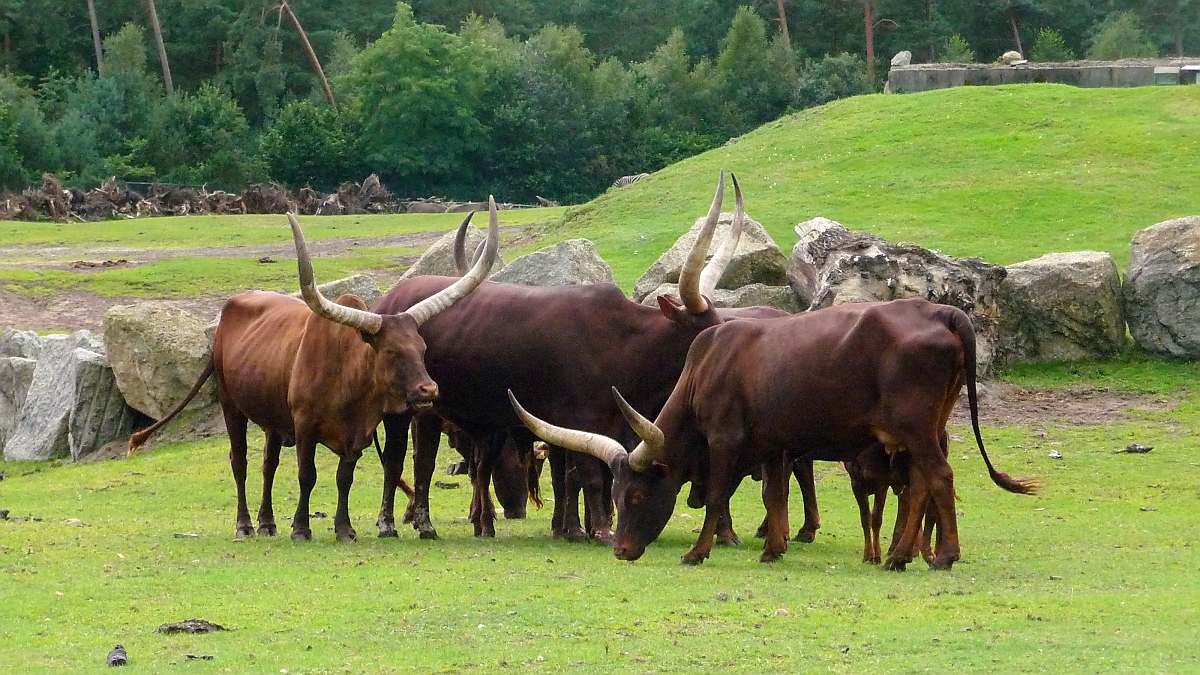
(957, 50)
(1049, 47)
(831, 78)
(1121, 37)
(310, 144)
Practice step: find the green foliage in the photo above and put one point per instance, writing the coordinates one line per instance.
(831, 78)
(417, 90)
(26, 142)
(957, 50)
(756, 76)
(310, 144)
(202, 137)
(1121, 37)
(1049, 47)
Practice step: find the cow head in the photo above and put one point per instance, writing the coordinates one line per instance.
(644, 489)
(399, 347)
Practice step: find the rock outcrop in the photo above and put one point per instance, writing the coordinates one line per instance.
(1162, 287)
(1061, 307)
(570, 263)
(752, 295)
(157, 351)
(438, 259)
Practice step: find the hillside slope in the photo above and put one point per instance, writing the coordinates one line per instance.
(1003, 173)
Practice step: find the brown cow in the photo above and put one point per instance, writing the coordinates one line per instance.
(820, 385)
(311, 372)
(560, 348)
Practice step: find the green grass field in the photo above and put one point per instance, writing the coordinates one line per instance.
(1099, 573)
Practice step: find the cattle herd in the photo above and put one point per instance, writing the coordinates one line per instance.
(731, 392)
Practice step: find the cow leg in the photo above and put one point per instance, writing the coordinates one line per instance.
(483, 511)
(395, 444)
(266, 511)
(558, 485)
(877, 524)
(803, 470)
(726, 536)
(927, 533)
(572, 529)
(776, 479)
(235, 425)
(862, 498)
(427, 436)
(345, 479)
(306, 468)
(597, 502)
(716, 505)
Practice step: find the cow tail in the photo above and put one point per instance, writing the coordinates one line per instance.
(137, 439)
(961, 325)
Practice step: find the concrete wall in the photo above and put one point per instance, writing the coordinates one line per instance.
(1128, 73)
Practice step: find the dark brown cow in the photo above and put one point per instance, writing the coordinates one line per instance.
(313, 371)
(560, 348)
(820, 385)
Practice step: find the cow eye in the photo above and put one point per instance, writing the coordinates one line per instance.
(635, 498)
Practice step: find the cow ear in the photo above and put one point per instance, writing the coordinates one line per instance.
(672, 308)
(664, 468)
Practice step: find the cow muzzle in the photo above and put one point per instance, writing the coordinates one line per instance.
(423, 396)
(627, 551)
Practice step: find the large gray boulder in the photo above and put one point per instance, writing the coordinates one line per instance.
(16, 374)
(23, 343)
(1162, 287)
(569, 263)
(438, 259)
(838, 266)
(757, 260)
(751, 295)
(1061, 307)
(360, 284)
(157, 351)
(69, 396)
(99, 414)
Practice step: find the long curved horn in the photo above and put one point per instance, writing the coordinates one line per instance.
(653, 441)
(367, 322)
(460, 241)
(715, 268)
(431, 306)
(689, 276)
(598, 446)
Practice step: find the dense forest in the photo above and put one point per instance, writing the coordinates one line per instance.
(461, 98)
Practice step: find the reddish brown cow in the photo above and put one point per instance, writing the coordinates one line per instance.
(311, 372)
(820, 385)
(560, 348)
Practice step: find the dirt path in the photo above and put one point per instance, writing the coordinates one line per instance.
(1004, 404)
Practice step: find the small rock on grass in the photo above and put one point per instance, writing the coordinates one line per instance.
(117, 657)
(1135, 449)
(202, 657)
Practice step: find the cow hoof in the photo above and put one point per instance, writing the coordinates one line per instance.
(941, 563)
(243, 531)
(267, 530)
(770, 556)
(761, 533)
(895, 565)
(731, 541)
(429, 534)
(690, 558)
(301, 536)
(806, 537)
(870, 560)
(409, 516)
(347, 537)
(606, 538)
(575, 536)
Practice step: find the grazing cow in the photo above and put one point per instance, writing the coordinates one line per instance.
(820, 385)
(313, 371)
(558, 347)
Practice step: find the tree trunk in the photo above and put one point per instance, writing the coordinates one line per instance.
(308, 51)
(162, 49)
(929, 12)
(96, 37)
(869, 24)
(1012, 21)
(783, 27)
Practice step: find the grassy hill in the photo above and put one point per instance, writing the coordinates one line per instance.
(1003, 173)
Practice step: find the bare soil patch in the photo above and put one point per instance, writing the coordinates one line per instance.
(1004, 404)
